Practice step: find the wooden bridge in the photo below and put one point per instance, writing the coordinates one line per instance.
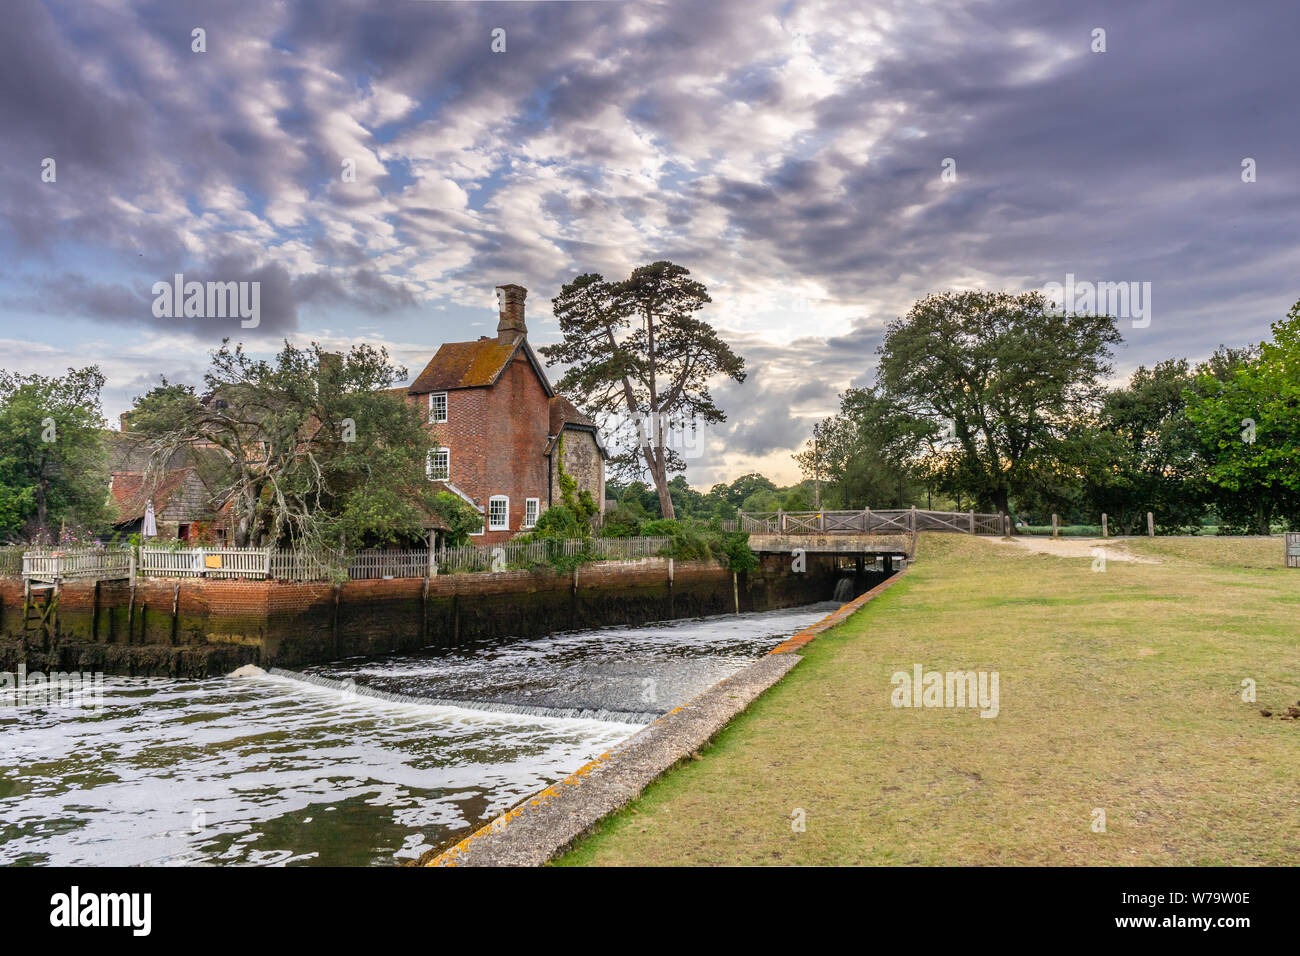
(867, 521)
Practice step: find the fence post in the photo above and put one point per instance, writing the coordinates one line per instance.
(1006, 525)
(1103, 525)
(911, 520)
(1056, 525)
(866, 519)
(971, 516)
(1151, 525)
(780, 521)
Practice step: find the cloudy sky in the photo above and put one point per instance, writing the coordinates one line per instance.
(790, 154)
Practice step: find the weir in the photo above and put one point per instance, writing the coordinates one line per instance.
(352, 688)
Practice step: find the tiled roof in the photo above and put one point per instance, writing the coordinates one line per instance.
(564, 412)
(131, 494)
(464, 365)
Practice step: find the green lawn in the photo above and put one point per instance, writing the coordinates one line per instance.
(1119, 691)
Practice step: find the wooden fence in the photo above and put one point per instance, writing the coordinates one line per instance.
(70, 564)
(895, 521)
(285, 565)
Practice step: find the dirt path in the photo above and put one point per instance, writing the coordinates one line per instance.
(1113, 548)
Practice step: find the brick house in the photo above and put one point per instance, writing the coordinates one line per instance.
(503, 433)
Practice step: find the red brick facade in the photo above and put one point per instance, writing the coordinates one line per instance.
(502, 419)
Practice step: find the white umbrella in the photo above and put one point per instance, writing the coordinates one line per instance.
(150, 529)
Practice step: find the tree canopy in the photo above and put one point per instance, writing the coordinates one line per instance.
(1001, 377)
(317, 451)
(655, 373)
(53, 473)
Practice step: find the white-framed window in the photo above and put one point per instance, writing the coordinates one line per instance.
(531, 507)
(437, 466)
(498, 513)
(437, 406)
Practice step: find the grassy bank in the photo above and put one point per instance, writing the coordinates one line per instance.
(1119, 691)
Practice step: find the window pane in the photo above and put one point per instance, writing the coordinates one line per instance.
(438, 466)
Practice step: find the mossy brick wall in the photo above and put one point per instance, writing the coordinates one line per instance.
(217, 625)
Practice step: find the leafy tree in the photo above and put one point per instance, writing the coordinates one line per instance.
(686, 500)
(866, 453)
(52, 464)
(1143, 454)
(458, 515)
(1247, 416)
(658, 371)
(317, 452)
(1009, 372)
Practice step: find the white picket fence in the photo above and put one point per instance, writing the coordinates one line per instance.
(287, 565)
(208, 562)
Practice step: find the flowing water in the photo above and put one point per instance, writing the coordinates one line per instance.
(365, 761)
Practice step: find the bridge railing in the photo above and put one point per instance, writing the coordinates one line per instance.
(868, 521)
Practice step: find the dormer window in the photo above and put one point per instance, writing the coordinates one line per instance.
(437, 406)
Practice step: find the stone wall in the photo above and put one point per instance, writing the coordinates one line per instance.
(582, 460)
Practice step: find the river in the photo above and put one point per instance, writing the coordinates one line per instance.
(275, 770)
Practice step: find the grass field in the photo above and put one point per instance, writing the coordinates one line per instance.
(1120, 691)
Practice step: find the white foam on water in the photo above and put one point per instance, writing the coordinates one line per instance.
(461, 709)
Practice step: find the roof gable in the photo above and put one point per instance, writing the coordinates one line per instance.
(476, 364)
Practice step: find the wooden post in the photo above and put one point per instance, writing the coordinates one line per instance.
(1056, 526)
(424, 610)
(433, 563)
(334, 620)
(780, 520)
(176, 606)
(1291, 540)
(735, 590)
(911, 520)
(1006, 525)
(1151, 525)
(971, 517)
(866, 519)
(822, 516)
(1104, 533)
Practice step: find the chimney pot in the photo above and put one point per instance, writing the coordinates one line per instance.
(510, 300)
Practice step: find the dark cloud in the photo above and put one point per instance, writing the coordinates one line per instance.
(762, 143)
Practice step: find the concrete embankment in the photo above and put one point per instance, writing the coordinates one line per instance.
(195, 627)
(543, 826)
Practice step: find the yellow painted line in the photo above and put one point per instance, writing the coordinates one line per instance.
(801, 638)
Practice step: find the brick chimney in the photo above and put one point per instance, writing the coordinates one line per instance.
(510, 300)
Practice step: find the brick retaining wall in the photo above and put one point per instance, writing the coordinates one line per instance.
(220, 624)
